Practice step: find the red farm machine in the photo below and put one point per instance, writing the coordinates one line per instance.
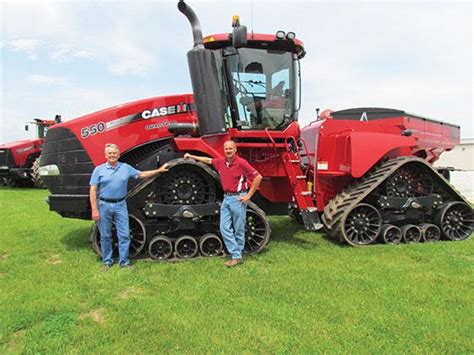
(19, 161)
(363, 174)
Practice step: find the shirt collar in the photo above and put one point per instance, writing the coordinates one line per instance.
(108, 166)
(234, 160)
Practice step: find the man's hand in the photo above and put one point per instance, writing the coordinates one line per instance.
(200, 159)
(95, 215)
(164, 167)
(245, 198)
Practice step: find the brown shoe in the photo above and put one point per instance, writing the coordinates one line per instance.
(233, 262)
(106, 267)
(128, 267)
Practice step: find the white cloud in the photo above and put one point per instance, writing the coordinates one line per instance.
(127, 58)
(49, 80)
(26, 45)
(65, 54)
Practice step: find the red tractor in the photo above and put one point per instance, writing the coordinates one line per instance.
(364, 174)
(19, 161)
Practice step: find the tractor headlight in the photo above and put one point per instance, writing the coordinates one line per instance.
(49, 170)
(280, 35)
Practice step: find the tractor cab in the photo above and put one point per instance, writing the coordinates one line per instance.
(244, 81)
(43, 125)
(260, 81)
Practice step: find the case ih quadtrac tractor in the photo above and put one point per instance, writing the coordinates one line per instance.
(364, 174)
(19, 161)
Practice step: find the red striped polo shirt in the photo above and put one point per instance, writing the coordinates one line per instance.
(235, 176)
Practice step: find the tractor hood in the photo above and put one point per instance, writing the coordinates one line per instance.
(20, 144)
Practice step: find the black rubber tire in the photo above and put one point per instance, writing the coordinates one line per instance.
(257, 230)
(186, 247)
(35, 176)
(137, 237)
(411, 233)
(391, 234)
(456, 220)
(361, 225)
(430, 232)
(211, 245)
(160, 248)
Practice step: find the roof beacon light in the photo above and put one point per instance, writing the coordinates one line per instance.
(235, 21)
(280, 35)
(291, 36)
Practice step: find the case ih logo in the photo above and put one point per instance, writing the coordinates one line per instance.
(22, 150)
(164, 111)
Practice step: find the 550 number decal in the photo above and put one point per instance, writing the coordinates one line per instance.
(92, 129)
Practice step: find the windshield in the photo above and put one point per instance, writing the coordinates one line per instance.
(264, 86)
(42, 130)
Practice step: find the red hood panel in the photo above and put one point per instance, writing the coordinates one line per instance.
(130, 125)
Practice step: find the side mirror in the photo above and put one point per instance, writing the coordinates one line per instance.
(239, 36)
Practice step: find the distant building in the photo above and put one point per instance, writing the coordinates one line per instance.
(461, 157)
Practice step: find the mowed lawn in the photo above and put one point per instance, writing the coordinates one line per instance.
(303, 294)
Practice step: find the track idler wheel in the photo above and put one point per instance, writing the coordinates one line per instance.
(160, 248)
(361, 226)
(456, 220)
(257, 230)
(411, 233)
(430, 232)
(186, 247)
(137, 237)
(391, 234)
(211, 245)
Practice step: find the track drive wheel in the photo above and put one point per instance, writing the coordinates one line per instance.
(137, 237)
(361, 225)
(35, 176)
(257, 230)
(411, 233)
(391, 234)
(430, 232)
(186, 247)
(211, 245)
(160, 248)
(456, 220)
(186, 183)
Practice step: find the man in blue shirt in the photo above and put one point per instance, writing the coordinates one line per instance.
(108, 190)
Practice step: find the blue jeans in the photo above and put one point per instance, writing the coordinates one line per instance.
(232, 225)
(114, 213)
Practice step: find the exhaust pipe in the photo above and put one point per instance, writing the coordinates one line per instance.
(205, 79)
(187, 11)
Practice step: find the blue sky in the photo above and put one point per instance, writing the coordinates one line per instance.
(75, 58)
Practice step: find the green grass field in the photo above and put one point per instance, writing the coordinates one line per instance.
(304, 294)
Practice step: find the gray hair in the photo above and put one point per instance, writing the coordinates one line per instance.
(112, 145)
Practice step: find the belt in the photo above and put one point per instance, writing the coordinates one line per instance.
(112, 200)
(234, 193)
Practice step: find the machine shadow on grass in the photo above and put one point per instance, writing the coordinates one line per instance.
(77, 239)
(286, 230)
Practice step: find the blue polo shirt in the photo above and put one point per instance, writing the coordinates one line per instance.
(112, 182)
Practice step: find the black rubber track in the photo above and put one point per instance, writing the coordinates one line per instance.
(339, 207)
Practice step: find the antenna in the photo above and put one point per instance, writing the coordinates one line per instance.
(252, 20)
